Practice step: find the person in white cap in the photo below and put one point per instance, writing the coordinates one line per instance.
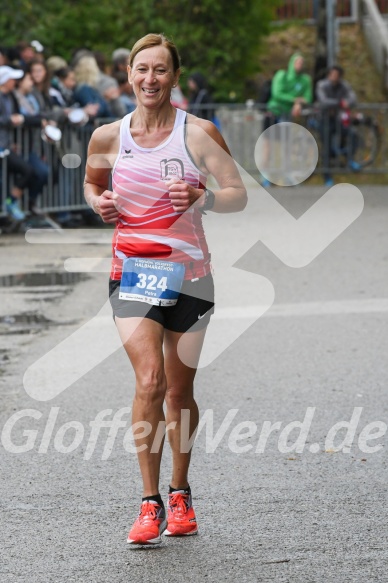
(10, 117)
(8, 73)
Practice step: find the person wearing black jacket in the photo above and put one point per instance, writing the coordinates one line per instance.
(200, 97)
(335, 98)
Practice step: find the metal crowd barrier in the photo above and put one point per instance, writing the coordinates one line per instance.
(65, 161)
(362, 138)
(241, 126)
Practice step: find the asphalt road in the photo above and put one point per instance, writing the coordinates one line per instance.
(266, 512)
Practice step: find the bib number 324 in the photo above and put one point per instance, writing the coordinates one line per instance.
(152, 281)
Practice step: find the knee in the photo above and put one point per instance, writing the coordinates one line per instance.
(178, 398)
(150, 385)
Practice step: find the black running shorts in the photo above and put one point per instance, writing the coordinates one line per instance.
(194, 307)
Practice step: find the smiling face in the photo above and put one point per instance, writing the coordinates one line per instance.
(152, 76)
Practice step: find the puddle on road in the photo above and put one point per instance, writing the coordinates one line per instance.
(32, 322)
(26, 323)
(41, 279)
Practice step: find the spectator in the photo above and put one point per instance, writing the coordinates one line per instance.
(265, 92)
(87, 75)
(335, 97)
(55, 63)
(64, 82)
(108, 87)
(291, 88)
(200, 97)
(10, 117)
(26, 53)
(62, 92)
(127, 97)
(29, 108)
(3, 56)
(120, 60)
(43, 92)
(28, 103)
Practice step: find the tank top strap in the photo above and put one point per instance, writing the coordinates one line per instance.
(124, 128)
(180, 119)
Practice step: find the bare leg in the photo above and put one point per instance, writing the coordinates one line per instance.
(180, 395)
(142, 339)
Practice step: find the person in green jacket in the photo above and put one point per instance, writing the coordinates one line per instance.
(290, 90)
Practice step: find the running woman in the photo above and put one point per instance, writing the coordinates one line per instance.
(161, 287)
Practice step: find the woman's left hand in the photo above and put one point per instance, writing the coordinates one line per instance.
(182, 195)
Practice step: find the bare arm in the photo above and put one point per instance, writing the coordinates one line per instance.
(101, 155)
(212, 156)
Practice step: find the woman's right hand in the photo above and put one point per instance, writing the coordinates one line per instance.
(105, 206)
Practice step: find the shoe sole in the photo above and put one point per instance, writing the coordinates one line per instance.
(151, 541)
(168, 533)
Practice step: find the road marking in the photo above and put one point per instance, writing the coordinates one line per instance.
(324, 308)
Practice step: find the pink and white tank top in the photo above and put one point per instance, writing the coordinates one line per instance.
(147, 225)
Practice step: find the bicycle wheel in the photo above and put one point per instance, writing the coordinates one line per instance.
(363, 141)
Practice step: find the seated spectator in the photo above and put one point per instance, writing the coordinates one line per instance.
(335, 96)
(291, 88)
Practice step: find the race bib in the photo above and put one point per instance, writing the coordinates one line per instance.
(153, 281)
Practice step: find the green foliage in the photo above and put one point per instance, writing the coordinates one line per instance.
(220, 38)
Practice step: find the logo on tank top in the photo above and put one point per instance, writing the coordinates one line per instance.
(128, 154)
(172, 168)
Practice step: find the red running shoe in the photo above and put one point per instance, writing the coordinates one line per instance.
(149, 525)
(180, 515)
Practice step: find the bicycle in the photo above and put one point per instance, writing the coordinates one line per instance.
(355, 138)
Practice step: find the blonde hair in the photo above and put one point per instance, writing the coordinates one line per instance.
(54, 63)
(86, 71)
(154, 40)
